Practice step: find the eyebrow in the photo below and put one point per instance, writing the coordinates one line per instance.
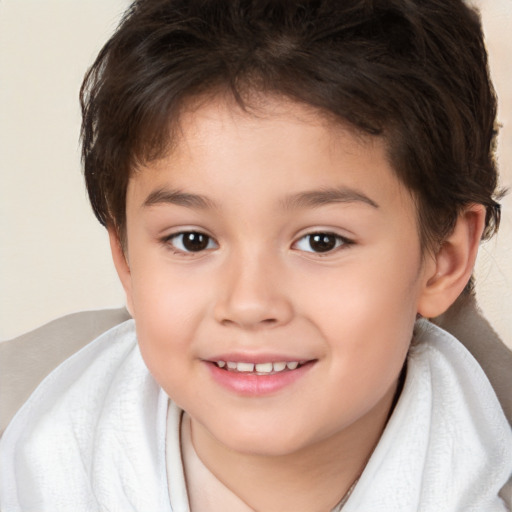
(178, 197)
(315, 198)
(312, 198)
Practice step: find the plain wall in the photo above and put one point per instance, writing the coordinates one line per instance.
(54, 255)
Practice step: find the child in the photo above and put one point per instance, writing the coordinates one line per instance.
(288, 188)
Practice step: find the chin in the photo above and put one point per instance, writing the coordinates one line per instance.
(264, 442)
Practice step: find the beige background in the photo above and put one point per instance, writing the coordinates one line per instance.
(54, 256)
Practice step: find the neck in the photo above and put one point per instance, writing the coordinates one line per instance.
(314, 478)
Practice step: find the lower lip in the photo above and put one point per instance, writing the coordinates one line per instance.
(250, 384)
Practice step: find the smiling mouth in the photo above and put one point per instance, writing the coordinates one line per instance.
(269, 368)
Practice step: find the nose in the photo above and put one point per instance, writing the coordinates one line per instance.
(252, 295)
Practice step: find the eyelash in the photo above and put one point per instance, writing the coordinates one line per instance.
(340, 242)
(206, 242)
(169, 241)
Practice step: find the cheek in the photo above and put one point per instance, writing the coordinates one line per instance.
(167, 312)
(165, 295)
(368, 294)
(367, 316)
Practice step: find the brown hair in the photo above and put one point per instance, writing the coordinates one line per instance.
(412, 71)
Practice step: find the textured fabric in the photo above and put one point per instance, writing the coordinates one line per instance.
(27, 359)
(447, 446)
(466, 322)
(93, 438)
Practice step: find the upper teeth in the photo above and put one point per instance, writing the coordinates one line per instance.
(258, 367)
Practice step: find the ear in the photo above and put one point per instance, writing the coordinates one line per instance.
(122, 266)
(448, 271)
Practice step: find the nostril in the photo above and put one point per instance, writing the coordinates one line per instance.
(246, 308)
(266, 321)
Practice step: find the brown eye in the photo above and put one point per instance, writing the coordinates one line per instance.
(321, 242)
(192, 241)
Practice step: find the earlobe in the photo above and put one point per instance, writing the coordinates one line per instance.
(453, 264)
(122, 266)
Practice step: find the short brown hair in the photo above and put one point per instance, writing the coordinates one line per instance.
(412, 71)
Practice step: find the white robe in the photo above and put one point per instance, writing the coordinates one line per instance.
(92, 437)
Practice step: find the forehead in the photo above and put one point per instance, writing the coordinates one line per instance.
(221, 149)
(206, 120)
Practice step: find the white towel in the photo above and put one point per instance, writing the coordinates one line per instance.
(92, 438)
(448, 446)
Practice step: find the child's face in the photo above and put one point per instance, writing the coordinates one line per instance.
(273, 238)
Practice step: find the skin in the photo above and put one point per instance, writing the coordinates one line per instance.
(260, 289)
